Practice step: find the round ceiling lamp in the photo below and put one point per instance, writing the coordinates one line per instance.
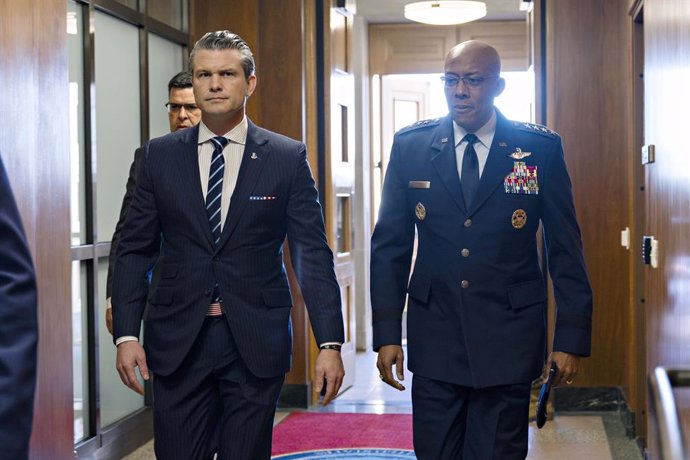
(445, 12)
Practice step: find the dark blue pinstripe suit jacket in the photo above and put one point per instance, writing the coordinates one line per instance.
(247, 264)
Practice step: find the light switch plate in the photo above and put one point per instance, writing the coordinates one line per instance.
(654, 253)
(648, 154)
(625, 238)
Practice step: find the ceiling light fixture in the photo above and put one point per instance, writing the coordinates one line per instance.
(445, 12)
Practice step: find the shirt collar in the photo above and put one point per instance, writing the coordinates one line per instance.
(485, 134)
(238, 134)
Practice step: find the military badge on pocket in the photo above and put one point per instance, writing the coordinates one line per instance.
(519, 218)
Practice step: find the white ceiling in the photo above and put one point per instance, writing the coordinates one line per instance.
(376, 11)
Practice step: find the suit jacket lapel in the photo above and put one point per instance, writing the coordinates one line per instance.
(189, 171)
(444, 160)
(498, 164)
(254, 158)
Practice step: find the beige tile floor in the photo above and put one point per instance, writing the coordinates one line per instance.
(566, 437)
(569, 437)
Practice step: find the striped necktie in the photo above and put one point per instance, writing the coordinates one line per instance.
(469, 176)
(215, 186)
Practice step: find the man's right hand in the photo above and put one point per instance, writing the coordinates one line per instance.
(129, 356)
(389, 354)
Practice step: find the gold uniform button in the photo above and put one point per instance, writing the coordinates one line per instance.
(468, 223)
(465, 252)
(465, 284)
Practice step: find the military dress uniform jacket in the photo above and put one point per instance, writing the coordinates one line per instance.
(477, 296)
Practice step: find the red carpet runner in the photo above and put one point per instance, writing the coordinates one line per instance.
(385, 436)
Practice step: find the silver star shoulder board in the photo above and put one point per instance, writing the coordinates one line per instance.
(420, 124)
(535, 128)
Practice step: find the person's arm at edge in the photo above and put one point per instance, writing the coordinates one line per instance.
(312, 260)
(572, 290)
(126, 200)
(18, 328)
(391, 258)
(137, 250)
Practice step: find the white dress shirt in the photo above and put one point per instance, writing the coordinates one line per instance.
(485, 134)
(232, 153)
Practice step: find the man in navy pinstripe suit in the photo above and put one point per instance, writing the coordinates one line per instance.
(18, 329)
(217, 329)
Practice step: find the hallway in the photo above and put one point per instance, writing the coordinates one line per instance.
(571, 436)
(608, 78)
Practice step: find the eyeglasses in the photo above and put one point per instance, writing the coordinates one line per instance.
(451, 81)
(174, 108)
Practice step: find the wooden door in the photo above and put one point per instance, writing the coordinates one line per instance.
(403, 101)
(667, 190)
(638, 346)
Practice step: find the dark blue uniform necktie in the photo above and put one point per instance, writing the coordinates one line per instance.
(469, 178)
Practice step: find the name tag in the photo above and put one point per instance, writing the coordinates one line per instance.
(419, 184)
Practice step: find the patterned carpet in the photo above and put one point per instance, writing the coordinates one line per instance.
(305, 435)
(349, 454)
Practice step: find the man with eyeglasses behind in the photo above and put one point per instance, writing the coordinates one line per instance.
(474, 187)
(182, 113)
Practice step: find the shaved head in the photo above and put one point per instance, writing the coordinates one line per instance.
(472, 81)
(478, 52)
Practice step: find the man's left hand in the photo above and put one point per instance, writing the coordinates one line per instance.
(109, 315)
(568, 367)
(329, 366)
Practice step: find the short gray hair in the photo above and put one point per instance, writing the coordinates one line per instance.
(225, 40)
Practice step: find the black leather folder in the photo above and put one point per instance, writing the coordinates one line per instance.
(544, 395)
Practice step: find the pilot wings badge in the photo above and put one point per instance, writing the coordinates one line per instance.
(518, 154)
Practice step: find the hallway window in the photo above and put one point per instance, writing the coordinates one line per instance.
(121, 55)
(171, 12)
(165, 60)
(80, 352)
(118, 115)
(75, 39)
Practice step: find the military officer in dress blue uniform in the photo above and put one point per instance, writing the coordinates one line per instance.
(474, 187)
